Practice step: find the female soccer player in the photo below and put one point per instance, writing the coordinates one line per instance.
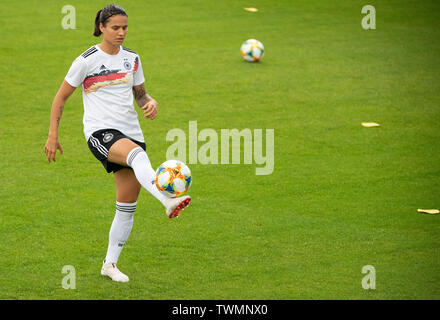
(110, 76)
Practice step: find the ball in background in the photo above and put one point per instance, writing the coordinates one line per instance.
(173, 178)
(252, 50)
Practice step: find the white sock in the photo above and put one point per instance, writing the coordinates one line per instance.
(138, 160)
(120, 230)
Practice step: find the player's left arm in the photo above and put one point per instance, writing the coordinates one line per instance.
(145, 102)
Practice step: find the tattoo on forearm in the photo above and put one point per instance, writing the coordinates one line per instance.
(61, 113)
(139, 92)
(140, 95)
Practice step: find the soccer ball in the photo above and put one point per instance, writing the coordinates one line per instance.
(252, 50)
(173, 178)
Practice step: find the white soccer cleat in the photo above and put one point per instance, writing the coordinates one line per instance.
(176, 205)
(110, 270)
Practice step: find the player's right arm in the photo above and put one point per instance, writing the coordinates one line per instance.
(52, 143)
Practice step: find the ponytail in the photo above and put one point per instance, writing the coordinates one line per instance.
(103, 15)
(97, 31)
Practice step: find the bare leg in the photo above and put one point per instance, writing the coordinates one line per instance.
(127, 191)
(127, 186)
(119, 151)
(127, 153)
(140, 163)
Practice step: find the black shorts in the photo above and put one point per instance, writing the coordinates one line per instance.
(100, 142)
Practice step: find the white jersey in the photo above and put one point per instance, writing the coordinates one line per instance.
(107, 82)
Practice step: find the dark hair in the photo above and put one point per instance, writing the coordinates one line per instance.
(103, 15)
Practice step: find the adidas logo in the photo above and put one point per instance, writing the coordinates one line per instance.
(102, 67)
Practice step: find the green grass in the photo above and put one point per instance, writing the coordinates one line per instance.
(341, 196)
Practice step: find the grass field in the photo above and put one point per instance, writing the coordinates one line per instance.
(340, 197)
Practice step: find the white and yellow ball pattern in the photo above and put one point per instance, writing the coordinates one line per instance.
(173, 178)
(252, 50)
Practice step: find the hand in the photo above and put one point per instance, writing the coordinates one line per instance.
(51, 147)
(150, 109)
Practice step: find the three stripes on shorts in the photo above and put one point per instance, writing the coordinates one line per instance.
(98, 146)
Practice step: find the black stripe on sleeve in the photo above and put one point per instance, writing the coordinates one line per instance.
(89, 52)
(129, 50)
